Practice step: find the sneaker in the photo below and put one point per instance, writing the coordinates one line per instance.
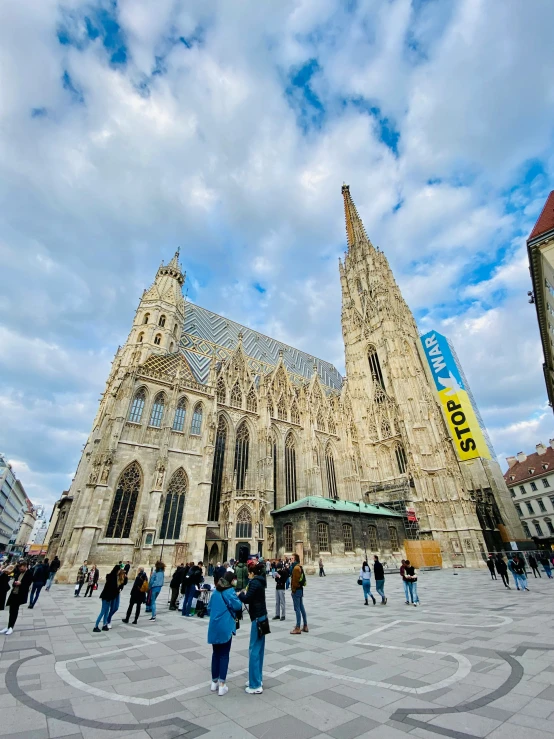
(415, 605)
(214, 686)
(275, 618)
(282, 618)
(109, 626)
(407, 602)
(97, 629)
(152, 619)
(223, 689)
(30, 607)
(296, 630)
(254, 691)
(9, 631)
(3, 631)
(373, 599)
(125, 620)
(105, 628)
(134, 623)
(246, 684)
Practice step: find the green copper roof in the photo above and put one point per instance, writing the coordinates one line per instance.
(342, 506)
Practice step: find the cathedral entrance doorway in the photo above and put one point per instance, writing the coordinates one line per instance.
(242, 544)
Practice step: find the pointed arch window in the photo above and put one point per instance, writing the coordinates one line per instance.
(294, 414)
(320, 424)
(217, 469)
(282, 409)
(401, 461)
(174, 505)
(385, 429)
(158, 339)
(146, 318)
(331, 476)
(157, 411)
(353, 431)
(242, 446)
(180, 413)
(221, 391)
(141, 337)
(236, 396)
(138, 406)
(252, 401)
(161, 322)
(124, 503)
(375, 366)
(244, 524)
(290, 470)
(273, 443)
(175, 330)
(196, 425)
(287, 535)
(331, 426)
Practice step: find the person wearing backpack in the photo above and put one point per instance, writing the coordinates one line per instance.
(138, 595)
(297, 585)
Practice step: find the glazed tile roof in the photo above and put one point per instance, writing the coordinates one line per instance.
(341, 506)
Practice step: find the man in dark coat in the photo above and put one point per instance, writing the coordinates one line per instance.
(138, 595)
(174, 586)
(40, 576)
(55, 565)
(534, 565)
(490, 565)
(502, 569)
(22, 581)
(194, 579)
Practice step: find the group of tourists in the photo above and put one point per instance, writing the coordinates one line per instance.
(517, 566)
(17, 579)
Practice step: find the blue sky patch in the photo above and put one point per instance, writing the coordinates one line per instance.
(309, 109)
(76, 94)
(38, 112)
(260, 288)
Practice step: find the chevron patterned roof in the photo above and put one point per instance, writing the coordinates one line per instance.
(206, 333)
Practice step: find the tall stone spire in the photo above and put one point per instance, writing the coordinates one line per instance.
(355, 231)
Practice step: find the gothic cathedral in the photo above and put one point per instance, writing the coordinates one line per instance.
(210, 435)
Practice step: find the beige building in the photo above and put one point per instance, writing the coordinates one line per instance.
(540, 248)
(205, 427)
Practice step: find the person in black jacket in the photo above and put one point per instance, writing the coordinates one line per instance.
(379, 574)
(55, 565)
(22, 580)
(281, 576)
(40, 576)
(175, 585)
(193, 580)
(108, 595)
(502, 569)
(219, 572)
(138, 595)
(534, 565)
(254, 597)
(5, 575)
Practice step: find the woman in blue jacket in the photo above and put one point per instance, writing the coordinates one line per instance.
(224, 607)
(155, 585)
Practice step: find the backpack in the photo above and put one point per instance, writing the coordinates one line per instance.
(144, 586)
(302, 581)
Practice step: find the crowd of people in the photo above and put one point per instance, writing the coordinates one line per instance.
(518, 567)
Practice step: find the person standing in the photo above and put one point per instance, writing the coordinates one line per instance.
(175, 586)
(379, 573)
(502, 569)
(155, 585)
(405, 582)
(55, 565)
(138, 595)
(40, 576)
(298, 581)
(121, 582)
(411, 578)
(219, 572)
(534, 565)
(365, 577)
(107, 596)
(193, 581)
(241, 569)
(92, 580)
(545, 562)
(225, 608)
(518, 571)
(81, 577)
(5, 574)
(22, 580)
(254, 597)
(490, 565)
(321, 570)
(281, 577)
(127, 568)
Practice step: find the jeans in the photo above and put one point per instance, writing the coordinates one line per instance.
(521, 581)
(153, 599)
(35, 592)
(366, 586)
(114, 607)
(187, 601)
(406, 591)
(380, 588)
(287, 584)
(256, 651)
(51, 577)
(104, 613)
(298, 602)
(548, 570)
(412, 591)
(220, 660)
(280, 603)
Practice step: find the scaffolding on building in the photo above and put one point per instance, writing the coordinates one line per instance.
(395, 494)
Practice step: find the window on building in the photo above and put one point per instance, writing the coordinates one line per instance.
(545, 483)
(552, 500)
(375, 366)
(290, 470)
(526, 530)
(539, 528)
(196, 425)
(529, 506)
(385, 429)
(138, 406)
(220, 391)
(175, 330)
(146, 318)
(217, 470)
(124, 502)
(174, 505)
(282, 409)
(331, 476)
(180, 413)
(542, 506)
(241, 455)
(401, 461)
(512, 493)
(158, 339)
(294, 414)
(273, 447)
(372, 538)
(244, 524)
(522, 488)
(161, 322)
(548, 522)
(347, 537)
(287, 532)
(331, 426)
(533, 486)
(140, 338)
(236, 396)
(393, 534)
(519, 511)
(320, 422)
(323, 537)
(157, 410)
(252, 401)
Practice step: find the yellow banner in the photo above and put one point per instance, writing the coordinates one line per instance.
(464, 427)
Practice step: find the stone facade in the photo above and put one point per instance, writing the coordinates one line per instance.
(205, 427)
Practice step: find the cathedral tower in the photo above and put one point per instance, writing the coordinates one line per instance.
(407, 455)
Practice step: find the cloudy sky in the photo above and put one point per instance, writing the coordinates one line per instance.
(129, 127)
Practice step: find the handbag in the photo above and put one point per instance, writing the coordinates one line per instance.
(263, 626)
(233, 613)
(360, 581)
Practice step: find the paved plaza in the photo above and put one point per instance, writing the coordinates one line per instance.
(474, 660)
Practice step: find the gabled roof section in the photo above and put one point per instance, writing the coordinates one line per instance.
(545, 221)
(521, 471)
(340, 506)
(167, 368)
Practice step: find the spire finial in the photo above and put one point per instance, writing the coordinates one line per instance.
(355, 230)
